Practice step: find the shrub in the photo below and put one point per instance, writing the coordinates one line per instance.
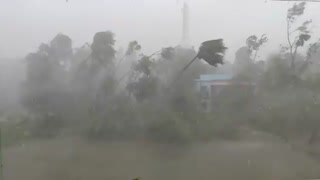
(169, 127)
(46, 126)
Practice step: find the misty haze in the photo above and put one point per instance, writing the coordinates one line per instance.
(159, 89)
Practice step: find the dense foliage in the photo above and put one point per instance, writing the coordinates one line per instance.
(85, 91)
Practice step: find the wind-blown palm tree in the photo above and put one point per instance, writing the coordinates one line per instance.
(210, 51)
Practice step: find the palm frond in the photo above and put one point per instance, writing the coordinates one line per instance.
(212, 52)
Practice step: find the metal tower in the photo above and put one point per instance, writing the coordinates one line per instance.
(185, 41)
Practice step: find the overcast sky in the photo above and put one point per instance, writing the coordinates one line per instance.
(24, 24)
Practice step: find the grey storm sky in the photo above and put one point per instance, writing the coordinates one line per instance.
(24, 24)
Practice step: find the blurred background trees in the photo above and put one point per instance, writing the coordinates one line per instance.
(103, 94)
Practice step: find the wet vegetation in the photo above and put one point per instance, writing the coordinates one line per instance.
(100, 95)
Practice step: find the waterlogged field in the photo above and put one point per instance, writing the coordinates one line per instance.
(73, 159)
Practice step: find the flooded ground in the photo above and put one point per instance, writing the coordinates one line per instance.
(73, 159)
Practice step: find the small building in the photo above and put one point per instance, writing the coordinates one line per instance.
(211, 85)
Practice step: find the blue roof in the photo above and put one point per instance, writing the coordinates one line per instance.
(215, 77)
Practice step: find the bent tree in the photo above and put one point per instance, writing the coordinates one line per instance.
(296, 35)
